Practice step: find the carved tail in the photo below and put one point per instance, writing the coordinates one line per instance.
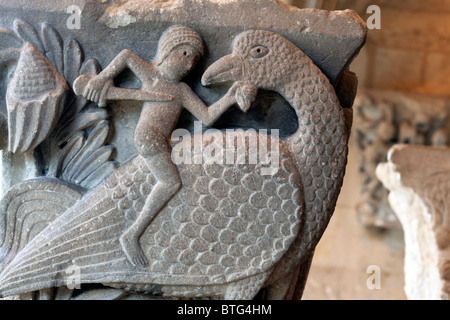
(320, 149)
(27, 208)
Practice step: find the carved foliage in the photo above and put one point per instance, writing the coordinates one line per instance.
(34, 95)
(44, 115)
(43, 111)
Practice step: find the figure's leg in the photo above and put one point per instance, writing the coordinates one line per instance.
(154, 147)
(168, 183)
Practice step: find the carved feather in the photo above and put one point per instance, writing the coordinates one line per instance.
(93, 162)
(53, 44)
(9, 39)
(88, 118)
(28, 34)
(95, 140)
(66, 154)
(29, 207)
(96, 175)
(82, 151)
(228, 222)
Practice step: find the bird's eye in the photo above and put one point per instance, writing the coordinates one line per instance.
(259, 52)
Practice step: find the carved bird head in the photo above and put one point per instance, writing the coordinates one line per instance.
(263, 58)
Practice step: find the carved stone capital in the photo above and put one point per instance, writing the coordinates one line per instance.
(418, 180)
(127, 164)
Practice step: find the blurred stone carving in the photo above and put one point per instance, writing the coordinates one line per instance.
(418, 180)
(316, 4)
(225, 230)
(383, 119)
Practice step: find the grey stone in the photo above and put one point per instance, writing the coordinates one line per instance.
(134, 201)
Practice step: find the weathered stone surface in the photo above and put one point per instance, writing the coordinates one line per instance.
(418, 180)
(169, 217)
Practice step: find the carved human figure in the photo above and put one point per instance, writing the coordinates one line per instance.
(179, 49)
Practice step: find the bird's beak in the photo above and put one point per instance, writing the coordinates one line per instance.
(228, 68)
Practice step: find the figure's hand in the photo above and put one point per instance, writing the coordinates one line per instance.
(96, 90)
(245, 94)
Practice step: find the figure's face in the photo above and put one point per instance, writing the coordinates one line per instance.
(179, 62)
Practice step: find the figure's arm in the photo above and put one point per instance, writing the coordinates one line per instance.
(240, 93)
(125, 59)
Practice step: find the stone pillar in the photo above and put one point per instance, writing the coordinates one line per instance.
(418, 180)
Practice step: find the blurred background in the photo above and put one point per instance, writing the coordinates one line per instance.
(403, 97)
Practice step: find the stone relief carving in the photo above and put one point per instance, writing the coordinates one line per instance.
(178, 51)
(382, 120)
(149, 225)
(417, 178)
(42, 111)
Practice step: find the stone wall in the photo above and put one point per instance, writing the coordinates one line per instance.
(410, 52)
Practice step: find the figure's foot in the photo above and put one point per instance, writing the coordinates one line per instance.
(133, 250)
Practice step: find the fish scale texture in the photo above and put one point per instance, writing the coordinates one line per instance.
(320, 142)
(228, 222)
(320, 147)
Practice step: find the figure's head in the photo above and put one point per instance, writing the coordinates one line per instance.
(179, 49)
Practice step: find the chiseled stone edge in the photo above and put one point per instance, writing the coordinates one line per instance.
(404, 175)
